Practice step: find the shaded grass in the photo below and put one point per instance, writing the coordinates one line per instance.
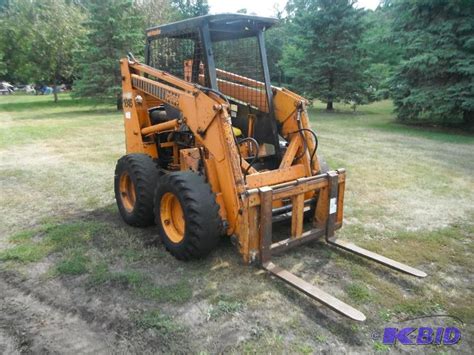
(23, 236)
(276, 343)
(27, 119)
(440, 135)
(140, 284)
(57, 116)
(224, 305)
(74, 244)
(268, 340)
(101, 275)
(30, 130)
(34, 245)
(156, 320)
(21, 103)
(76, 263)
(179, 292)
(25, 253)
(448, 246)
(380, 347)
(379, 116)
(418, 307)
(447, 249)
(358, 293)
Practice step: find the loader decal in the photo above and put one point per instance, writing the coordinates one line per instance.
(128, 103)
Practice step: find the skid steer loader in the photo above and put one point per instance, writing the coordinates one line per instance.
(213, 148)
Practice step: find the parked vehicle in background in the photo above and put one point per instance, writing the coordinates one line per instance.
(6, 88)
(43, 90)
(61, 88)
(28, 88)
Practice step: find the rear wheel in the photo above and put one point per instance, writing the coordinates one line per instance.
(135, 180)
(187, 215)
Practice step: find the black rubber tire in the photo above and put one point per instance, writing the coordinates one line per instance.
(144, 175)
(203, 225)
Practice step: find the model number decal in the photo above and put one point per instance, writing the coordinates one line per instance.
(127, 103)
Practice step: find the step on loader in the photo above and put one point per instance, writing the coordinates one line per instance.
(213, 148)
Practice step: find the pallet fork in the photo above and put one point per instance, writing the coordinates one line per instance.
(332, 187)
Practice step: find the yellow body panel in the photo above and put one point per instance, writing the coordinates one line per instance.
(208, 117)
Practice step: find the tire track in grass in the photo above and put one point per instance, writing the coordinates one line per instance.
(39, 328)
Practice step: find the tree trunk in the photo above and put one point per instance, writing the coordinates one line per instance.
(330, 95)
(55, 90)
(468, 118)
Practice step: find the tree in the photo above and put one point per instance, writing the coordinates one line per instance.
(39, 40)
(56, 37)
(114, 28)
(191, 8)
(16, 20)
(3, 67)
(381, 50)
(324, 58)
(157, 12)
(275, 40)
(435, 81)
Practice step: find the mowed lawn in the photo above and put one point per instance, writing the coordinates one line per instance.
(410, 196)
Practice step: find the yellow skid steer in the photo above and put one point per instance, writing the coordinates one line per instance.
(213, 148)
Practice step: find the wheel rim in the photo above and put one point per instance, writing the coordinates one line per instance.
(127, 192)
(172, 217)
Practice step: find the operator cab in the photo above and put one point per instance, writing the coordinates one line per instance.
(225, 54)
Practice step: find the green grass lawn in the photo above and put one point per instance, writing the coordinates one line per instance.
(409, 195)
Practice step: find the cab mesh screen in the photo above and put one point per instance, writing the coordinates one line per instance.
(238, 65)
(240, 72)
(175, 55)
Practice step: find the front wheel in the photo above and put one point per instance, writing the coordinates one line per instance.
(135, 180)
(187, 215)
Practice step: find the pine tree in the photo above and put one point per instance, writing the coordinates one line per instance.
(435, 82)
(191, 8)
(275, 40)
(114, 28)
(3, 67)
(324, 59)
(381, 50)
(157, 12)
